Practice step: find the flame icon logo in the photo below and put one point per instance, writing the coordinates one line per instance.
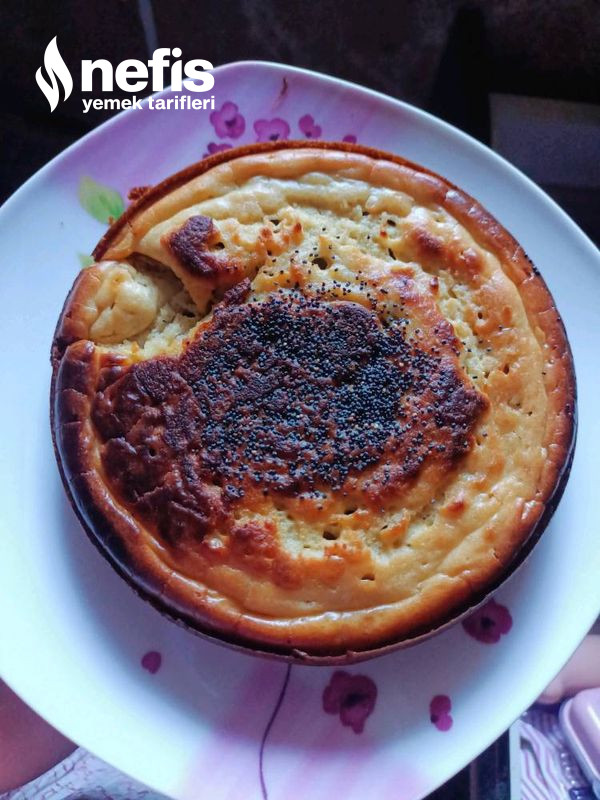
(56, 68)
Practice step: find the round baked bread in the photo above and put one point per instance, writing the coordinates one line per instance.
(311, 399)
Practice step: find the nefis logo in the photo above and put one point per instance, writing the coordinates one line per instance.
(130, 75)
(56, 69)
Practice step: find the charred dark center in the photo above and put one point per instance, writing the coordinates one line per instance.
(290, 395)
(297, 393)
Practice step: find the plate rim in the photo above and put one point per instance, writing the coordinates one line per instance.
(381, 96)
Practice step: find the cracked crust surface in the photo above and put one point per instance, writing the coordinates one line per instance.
(312, 398)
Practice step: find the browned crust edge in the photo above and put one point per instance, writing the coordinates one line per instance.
(106, 524)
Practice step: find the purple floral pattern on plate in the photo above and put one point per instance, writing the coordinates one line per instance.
(151, 661)
(439, 712)
(308, 127)
(213, 148)
(271, 130)
(353, 697)
(228, 122)
(489, 623)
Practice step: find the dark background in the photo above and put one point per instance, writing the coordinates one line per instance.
(449, 57)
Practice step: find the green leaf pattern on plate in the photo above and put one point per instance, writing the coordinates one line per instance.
(85, 260)
(103, 203)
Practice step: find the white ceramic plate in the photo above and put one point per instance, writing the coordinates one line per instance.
(212, 723)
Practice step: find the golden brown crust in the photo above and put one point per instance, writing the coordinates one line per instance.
(88, 381)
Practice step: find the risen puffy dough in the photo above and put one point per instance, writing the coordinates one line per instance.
(345, 569)
(127, 303)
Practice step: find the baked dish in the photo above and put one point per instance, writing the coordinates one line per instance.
(311, 399)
